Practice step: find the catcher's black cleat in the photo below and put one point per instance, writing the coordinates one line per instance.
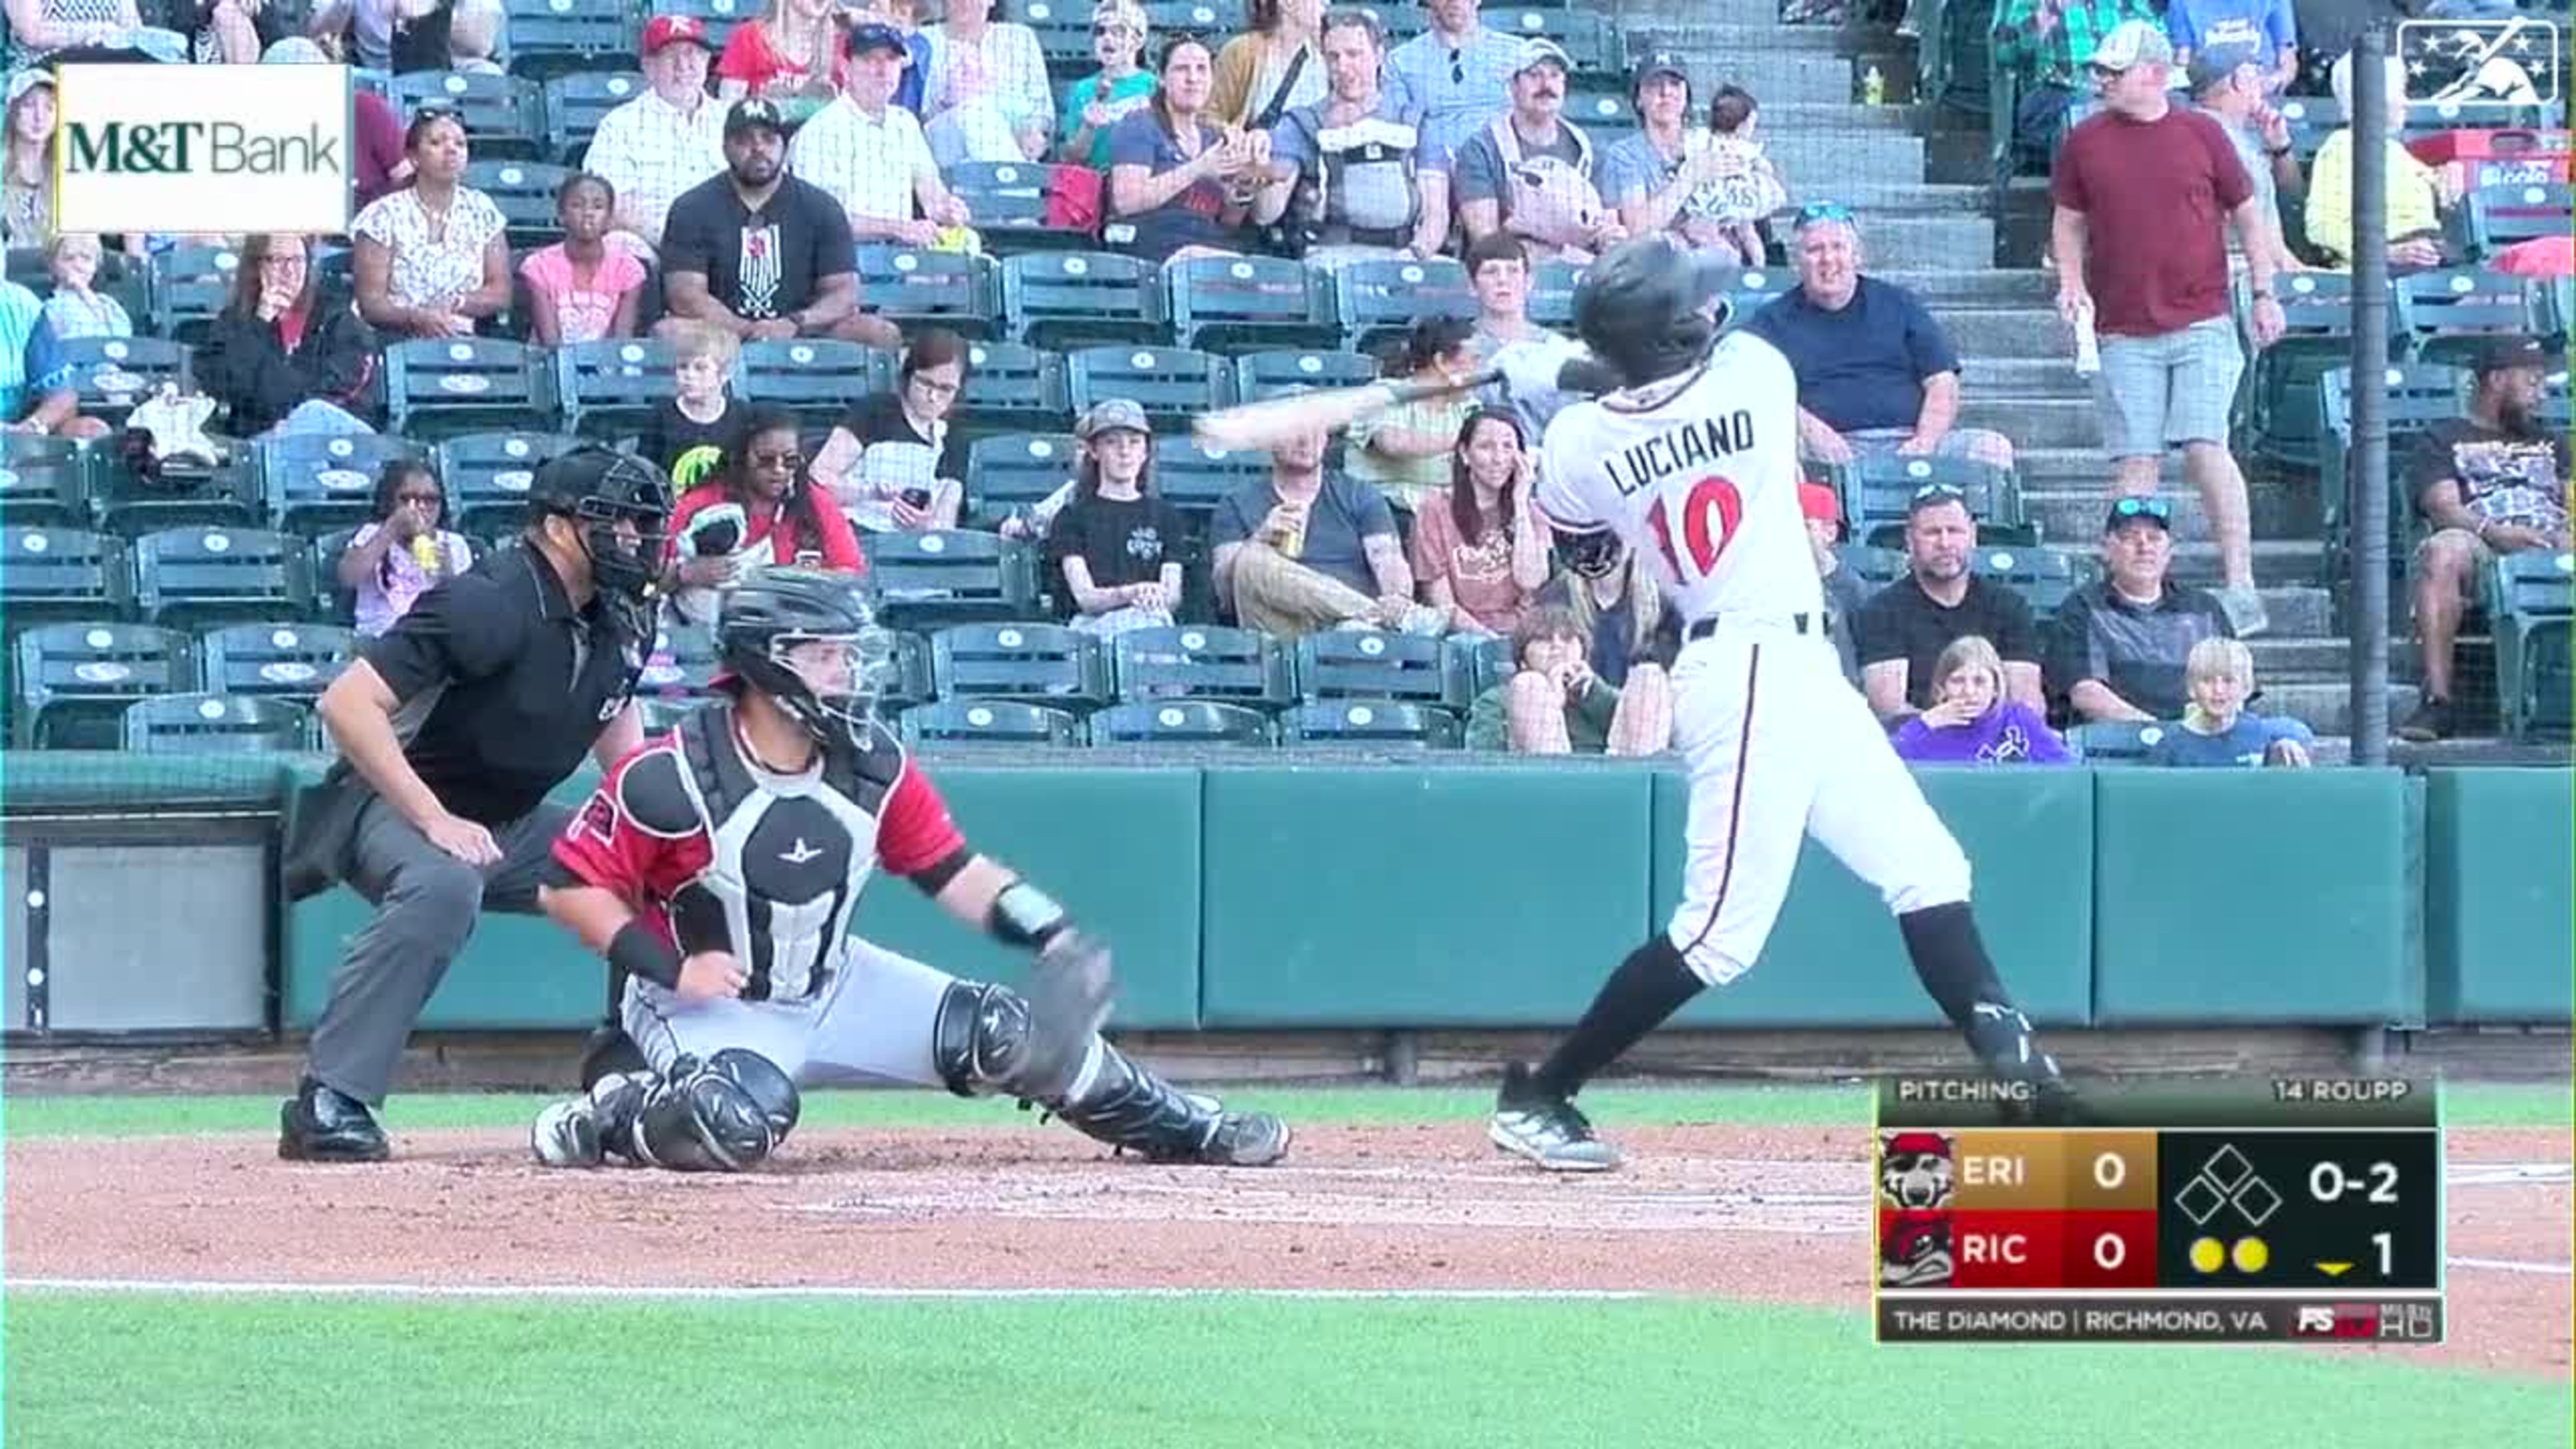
(609, 1051)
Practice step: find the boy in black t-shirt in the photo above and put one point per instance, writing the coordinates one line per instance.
(1113, 556)
(697, 428)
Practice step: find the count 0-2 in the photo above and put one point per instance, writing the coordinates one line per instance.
(2328, 1182)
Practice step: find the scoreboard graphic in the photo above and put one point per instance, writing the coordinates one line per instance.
(2305, 1209)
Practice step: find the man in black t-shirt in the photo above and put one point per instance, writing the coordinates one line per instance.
(760, 253)
(1906, 625)
(451, 729)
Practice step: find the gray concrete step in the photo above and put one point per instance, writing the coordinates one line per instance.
(2073, 517)
(1960, 242)
(2319, 658)
(1763, 15)
(1685, 29)
(2022, 332)
(2014, 378)
(2277, 562)
(2036, 422)
(2325, 705)
(2078, 468)
(1872, 170)
(1952, 289)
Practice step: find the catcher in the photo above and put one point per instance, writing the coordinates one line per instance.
(719, 866)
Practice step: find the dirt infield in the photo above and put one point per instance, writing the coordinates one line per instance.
(1760, 1215)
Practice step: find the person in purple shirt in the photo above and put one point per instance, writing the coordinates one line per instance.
(1971, 722)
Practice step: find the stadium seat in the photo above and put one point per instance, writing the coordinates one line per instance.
(1376, 300)
(502, 113)
(683, 662)
(1607, 109)
(608, 390)
(1400, 21)
(488, 474)
(112, 374)
(2042, 576)
(75, 680)
(718, 16)
(525, 192)
(1755, 288)
(190, 284)
(124, 278)
(2530, 611)
(223, 724)
(275, 657)
(2554, 414)
(574, 104)
(1198, 17)
(1875, 566)
(2418, 397)
(2497, 217)
(2448, 315)
(1013, 385)
(1063, 29)
(550, 37)
(1591, 40)
(2114, 742)
(1376, 664)
(918, 287)
(1877, 490)
(1181, 722)
(44, 482)
(1230, 666)
(1172, 384)
(987, 722)
(816, 379)
(1230, 304)
(1262, 375)
(1040, 663)
(1008, 200)
(438, 387)
(1068, 299)
(2282, 383)
(187, 577)
(314, 483)
(1014, 471)
(61, 573)
(932, 580)
(1480, 662)
(1551, 294)
(908, 681)
(1193, 478)
(1370, 722)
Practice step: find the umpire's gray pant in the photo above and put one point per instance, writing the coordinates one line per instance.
(426, 901)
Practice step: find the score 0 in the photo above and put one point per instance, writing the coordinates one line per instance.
(2329, 1183)
(2111, 1219)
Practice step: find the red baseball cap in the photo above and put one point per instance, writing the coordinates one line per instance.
(664, 30)
(1819, 502)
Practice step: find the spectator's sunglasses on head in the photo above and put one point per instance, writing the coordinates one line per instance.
(2155, 508)
(1940, 493)
(1816, 213)
(1115, 27)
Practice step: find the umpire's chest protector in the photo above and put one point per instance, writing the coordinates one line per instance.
(788, 857)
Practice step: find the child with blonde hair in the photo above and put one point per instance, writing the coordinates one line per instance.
(2216, 731)
(698, 427)
(1971, 721)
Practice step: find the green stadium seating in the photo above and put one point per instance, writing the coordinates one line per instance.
(1371, 722)
(75, 680)
(1194, 722)
(1193, 479)
(1480, 662)
(718, 16)
(575, 104)
(1037, 663)
(2496, 217)
(2282, 384)
(1877, 489)
(1262, 375)
(932, 580)
(1339, 664)
(1013, 472)
(201, 724)
(280, 657)
(817, 379)
(1062, 300)
(952, 722)
(2530, 608)
(190, 284)
(2042, 576)
(1374, 301)
(190, 577)
(1551, 294)
(112, 374)
(525, 192)
(1238, 304)
(1015, 386)
(608, 390)
(1225, 666)
(1008, 200)
(2448, 314)
(1172, 384)
(550, 37)
(442, 387)
(315, 483)
(487, 476)
(502, 114)
(2115, 742)
(51, 574)
(44, 482)
(925, 288)
(2418, 397)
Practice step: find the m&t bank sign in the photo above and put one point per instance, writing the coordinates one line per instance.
(203, 148)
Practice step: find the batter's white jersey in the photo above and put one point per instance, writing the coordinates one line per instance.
(1700, 472)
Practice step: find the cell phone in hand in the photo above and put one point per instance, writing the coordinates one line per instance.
(916, 498)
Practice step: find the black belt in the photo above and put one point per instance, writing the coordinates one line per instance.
(1798, 623)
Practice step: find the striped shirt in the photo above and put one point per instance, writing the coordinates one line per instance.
(651, 152)
(871, 165)
(1455, 89)
(1003, 63)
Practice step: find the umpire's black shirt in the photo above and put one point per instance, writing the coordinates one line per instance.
(504, 684)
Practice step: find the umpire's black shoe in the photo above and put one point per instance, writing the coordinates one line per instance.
(318, 1124)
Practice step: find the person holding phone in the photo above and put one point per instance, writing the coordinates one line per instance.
(758, 509)
(892, 462)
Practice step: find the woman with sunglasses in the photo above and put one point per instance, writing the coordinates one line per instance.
(760, 508)
(1099, 102)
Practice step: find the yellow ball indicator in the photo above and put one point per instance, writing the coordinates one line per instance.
(2207, 1256)
(2251, 1255)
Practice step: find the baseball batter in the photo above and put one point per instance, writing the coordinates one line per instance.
(720, 865)
(1692, 461)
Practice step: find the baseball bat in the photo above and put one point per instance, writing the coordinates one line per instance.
(1266, 423)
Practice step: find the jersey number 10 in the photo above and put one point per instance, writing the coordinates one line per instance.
(1709, 517)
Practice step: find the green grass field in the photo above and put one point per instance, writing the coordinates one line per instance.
(1211, 1372)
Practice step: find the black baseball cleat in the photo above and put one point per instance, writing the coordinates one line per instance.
(1549, 1130)
(318, 1124)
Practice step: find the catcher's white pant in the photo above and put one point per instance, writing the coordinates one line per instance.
(872, 1024)
(1780, 747)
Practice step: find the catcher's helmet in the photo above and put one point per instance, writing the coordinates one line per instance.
(765, 618)
(1644, 308)
(596, 488)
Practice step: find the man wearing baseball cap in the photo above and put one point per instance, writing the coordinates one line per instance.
(2491, 483)
(1114, 553)
(2227, 87)
(1654, 176)
(869, 154)
(664, 141)
(762, 254)
(1529, 170)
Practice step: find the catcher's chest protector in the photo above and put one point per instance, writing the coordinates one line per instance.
(789, 857)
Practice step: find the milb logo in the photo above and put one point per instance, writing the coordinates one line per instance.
(215, 148)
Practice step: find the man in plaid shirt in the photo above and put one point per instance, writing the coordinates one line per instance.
(2045, 45)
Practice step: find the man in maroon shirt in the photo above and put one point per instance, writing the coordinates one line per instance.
(2144, 191)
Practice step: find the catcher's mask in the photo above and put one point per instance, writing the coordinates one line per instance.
(810, 642)
(598, 490)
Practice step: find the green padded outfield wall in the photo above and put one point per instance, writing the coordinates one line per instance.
(1836, 958)
(1458, 897)
(2228, 898)
(2498, 871)
(1119, 847)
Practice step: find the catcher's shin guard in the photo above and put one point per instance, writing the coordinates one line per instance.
(725, 1114)
(1133, 1110)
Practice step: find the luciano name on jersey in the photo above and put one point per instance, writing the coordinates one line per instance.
(1692, 445)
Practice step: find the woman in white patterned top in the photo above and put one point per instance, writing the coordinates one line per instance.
(432, 259)
(76, 309)
(97, 30)
(27, 182)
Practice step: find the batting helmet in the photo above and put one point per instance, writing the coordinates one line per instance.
(1645, 308)
(772, 612)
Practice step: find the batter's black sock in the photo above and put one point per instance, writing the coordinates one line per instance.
(1951, 959)
(1648, 987)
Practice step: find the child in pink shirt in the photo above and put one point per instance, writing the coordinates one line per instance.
(581, 289)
